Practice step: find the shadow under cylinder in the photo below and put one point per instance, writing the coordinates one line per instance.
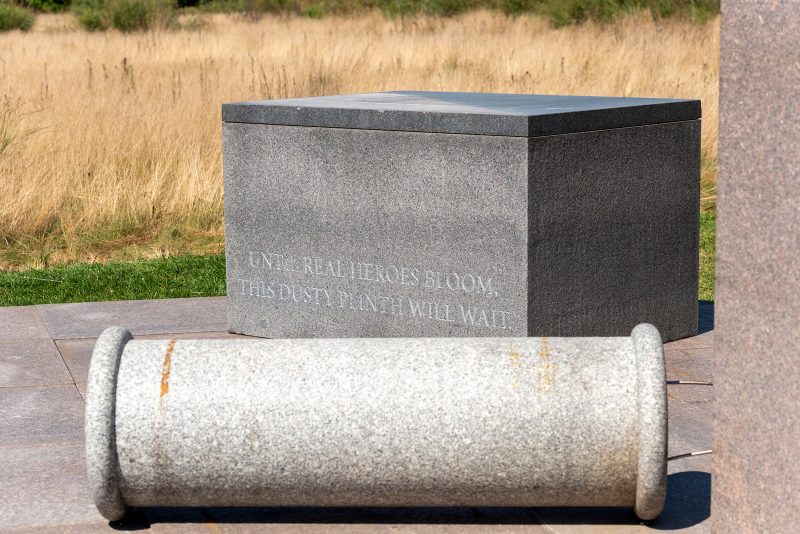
(378, 422)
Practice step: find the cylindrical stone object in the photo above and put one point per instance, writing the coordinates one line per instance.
(378, 422)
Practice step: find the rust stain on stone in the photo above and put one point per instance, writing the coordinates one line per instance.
(166, 368)
(515, 360)
(545, 369)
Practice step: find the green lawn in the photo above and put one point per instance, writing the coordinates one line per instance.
(177, 276)
(193, 276)
(708, 230)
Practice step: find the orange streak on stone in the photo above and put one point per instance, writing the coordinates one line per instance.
(166, 369)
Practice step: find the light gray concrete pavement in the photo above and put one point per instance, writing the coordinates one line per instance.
(44, 361)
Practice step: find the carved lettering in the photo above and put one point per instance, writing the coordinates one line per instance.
(323, 282)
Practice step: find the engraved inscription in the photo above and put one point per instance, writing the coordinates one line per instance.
(389, 274)
(326, 283)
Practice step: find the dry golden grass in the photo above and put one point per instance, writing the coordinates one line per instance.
(115, 139)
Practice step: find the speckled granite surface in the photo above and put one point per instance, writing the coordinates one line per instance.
(334, 232)
(379, 422)
(43, 480)
(374, 229)
(757, 427)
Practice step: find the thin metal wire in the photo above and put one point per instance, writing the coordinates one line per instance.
(696, 453)
(688, 454)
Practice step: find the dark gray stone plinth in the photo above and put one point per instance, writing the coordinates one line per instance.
(757, 416)
(453, 214)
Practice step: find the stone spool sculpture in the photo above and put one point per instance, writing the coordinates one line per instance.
(378, 422)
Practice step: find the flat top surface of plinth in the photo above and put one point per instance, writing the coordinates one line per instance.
(464, 113)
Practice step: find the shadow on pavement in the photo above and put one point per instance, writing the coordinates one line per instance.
(688, 500)
(705, 316)
(688, 503)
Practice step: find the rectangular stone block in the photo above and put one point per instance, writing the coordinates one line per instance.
(33, 416)
(31, 362)
(44, 489)
(457, 214)
(88, 319)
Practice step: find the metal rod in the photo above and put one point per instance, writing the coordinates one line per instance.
(688, 454)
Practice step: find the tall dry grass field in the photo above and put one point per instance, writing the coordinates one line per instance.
(110, 143)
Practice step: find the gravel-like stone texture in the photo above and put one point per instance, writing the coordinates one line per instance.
(102, 463)
(378, 422)
(757, 415)
(366, 233)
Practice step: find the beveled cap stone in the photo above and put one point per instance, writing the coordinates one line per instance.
(513, 115)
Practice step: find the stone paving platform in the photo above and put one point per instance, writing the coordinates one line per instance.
(44, 361)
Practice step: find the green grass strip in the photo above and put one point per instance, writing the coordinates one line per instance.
(171, 277)
(708, 250)
(194, 276)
